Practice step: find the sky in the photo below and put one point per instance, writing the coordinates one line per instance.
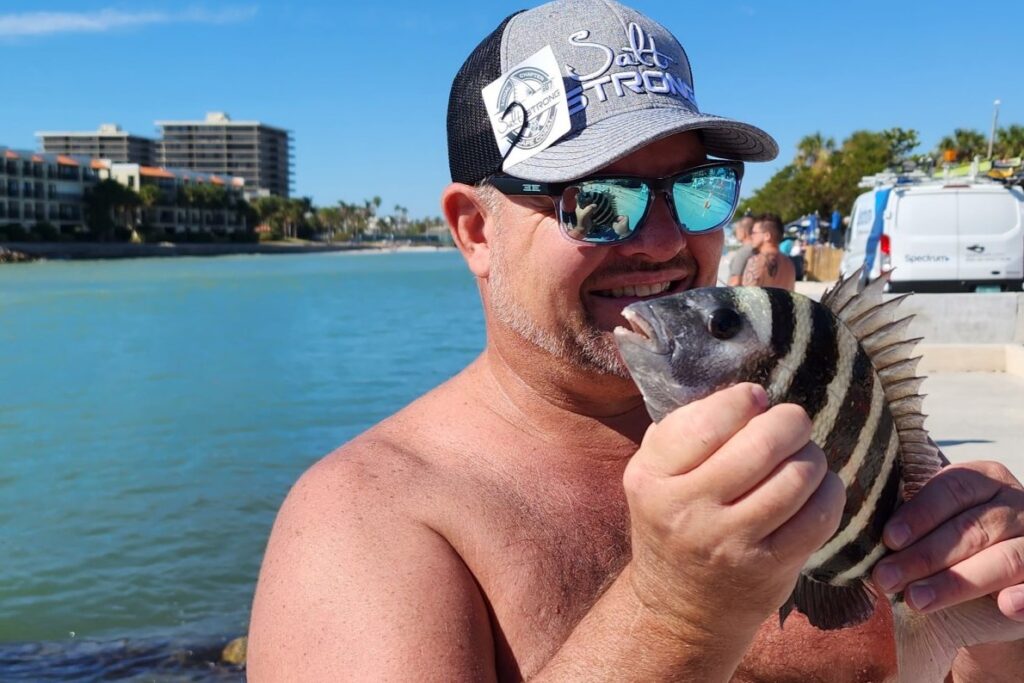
(364, 86)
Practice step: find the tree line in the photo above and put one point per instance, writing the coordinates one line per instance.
(114, 211)
(823, 176)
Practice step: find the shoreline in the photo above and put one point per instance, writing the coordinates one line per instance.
(84, 251)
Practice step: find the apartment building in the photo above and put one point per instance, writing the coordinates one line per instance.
(257, 152)
(188, 201)
(108, 142)
(45, 188)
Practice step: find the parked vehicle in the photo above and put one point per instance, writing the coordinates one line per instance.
(938, 235)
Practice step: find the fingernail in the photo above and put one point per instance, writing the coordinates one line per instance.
(1016, 598)
(899, 534)
(921, 595)
(760, 396)
(888, 576)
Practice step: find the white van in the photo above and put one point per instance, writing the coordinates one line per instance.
(955, 235)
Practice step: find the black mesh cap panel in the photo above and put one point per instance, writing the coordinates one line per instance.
(472, 152)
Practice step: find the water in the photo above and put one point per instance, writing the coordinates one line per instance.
(153, 414)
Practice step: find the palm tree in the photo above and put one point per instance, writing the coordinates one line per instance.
(1009, 142)
(965, 144)
(814, 150)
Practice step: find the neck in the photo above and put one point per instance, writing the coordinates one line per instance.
(768, 248)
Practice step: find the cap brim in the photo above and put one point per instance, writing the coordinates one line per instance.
(610, 139)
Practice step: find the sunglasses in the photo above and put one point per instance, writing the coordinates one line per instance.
(611, 209)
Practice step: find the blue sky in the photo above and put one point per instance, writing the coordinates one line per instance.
(364, 86)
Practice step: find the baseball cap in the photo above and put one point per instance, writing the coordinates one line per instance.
(627, 80)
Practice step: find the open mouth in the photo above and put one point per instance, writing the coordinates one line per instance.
(638, 291)
(641, 333)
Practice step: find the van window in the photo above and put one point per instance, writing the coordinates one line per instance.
(987, 212)
(926, 213)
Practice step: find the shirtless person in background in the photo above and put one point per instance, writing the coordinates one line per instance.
(525, 520)
(768, 267)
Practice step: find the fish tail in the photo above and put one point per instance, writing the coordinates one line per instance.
(926, 644)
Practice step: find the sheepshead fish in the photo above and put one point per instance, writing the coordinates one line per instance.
(847, 360)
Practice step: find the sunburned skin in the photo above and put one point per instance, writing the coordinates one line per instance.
(769, 270)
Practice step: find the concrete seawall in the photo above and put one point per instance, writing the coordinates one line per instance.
(962, 332)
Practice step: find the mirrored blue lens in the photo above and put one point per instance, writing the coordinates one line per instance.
(604, 211)
(705, 199)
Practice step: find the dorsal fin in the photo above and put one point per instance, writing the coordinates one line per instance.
(873, 323)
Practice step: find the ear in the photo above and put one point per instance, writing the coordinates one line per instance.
(467, 219)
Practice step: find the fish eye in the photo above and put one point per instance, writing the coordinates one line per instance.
(724, 323)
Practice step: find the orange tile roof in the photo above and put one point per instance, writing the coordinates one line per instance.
(11, 154)
(154, 172)
(99, 163)
(216, 180)
(66, 160)
(36, 157)
(238, 182)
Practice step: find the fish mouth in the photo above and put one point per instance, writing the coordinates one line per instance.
(645, 331)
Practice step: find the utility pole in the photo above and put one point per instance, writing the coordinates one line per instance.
(992, 135)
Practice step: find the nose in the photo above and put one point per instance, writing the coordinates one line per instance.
(659, 238)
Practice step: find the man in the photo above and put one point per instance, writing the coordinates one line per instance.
(768, 266)
(738, 261)
(525, 520)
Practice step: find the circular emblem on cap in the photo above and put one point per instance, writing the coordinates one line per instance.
(527, 86)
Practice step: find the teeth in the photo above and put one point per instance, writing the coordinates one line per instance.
(639, 290)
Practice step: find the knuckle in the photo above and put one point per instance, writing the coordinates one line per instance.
(961, 490)
(972, 530)
(1013, 559)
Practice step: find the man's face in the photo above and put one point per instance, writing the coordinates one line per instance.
(567, 297)
(758, 235)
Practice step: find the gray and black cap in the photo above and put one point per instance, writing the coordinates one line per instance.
(628, 83)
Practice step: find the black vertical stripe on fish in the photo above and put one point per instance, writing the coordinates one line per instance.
(809, 387)
(866, 539)
(783, 320)
(842, 438)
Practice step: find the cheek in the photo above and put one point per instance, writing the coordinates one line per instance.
(707, 252)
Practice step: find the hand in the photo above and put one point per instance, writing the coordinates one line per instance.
(960, 537)
(727, 501)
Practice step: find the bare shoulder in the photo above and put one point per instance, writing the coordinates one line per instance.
(358, 583)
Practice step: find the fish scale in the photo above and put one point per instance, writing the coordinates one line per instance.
(847, 361)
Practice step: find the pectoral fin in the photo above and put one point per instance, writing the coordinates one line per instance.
(926, 644)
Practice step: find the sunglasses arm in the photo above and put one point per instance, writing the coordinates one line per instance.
(508, 185)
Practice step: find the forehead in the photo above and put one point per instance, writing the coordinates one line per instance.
(662, 157)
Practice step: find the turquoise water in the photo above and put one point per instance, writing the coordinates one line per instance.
(153, 414)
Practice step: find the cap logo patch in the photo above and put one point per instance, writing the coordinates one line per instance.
(645, 70)
(527, 107)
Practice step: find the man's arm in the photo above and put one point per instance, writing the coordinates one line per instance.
(353, 588)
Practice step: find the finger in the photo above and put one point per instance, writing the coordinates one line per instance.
(947, 494)
(1011, 602)
(756, 451)
(815, 522)
(686, 437)
(993, 569)
(964, 535)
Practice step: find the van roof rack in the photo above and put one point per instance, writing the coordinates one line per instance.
(972, 174)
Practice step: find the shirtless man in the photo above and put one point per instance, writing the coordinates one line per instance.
(768, 267)
(525, 520)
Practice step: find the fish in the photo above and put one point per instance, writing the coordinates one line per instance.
(848, 361)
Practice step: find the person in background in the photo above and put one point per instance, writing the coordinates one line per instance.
(768, 267)
(738, 260)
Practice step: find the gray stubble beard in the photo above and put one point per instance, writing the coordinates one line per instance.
(587, 348)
